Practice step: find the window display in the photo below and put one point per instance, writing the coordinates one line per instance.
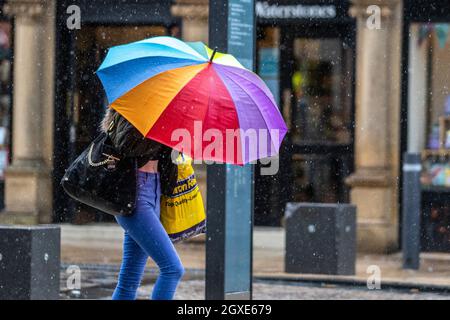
(436, 154)
(429, 108)
(5, 100)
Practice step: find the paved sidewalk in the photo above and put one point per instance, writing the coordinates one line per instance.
(101, 244)
(195, 290)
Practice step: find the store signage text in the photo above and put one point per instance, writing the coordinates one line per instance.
(299, 11)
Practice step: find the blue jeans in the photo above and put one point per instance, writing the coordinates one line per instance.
(145, 236)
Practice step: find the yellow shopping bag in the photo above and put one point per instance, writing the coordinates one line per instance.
(182, 213)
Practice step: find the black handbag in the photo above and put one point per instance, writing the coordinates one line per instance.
(102, 179)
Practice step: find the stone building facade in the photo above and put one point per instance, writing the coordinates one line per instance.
(374, 183)
(28, 182)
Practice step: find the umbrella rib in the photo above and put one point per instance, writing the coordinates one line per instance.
(246, 93)
(193, 62)
(238, 74)
(210, 96)
(168, 46)
(227, 69)
(112, 53)
(175, 96)
(148, 57)
(209, 100)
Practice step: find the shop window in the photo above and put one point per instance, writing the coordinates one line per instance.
(267, 195)
(320, 115)
(269, 59)
(429, 122)
(310, 73)
(5, 100)
(321, 118)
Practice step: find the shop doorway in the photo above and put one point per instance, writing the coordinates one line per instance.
(86, 102)
(315, 91)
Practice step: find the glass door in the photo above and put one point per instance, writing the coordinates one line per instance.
(318, 107)
(429, 127)
(86, 96)
(309, 69)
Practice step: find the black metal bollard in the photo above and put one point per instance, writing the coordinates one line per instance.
(29, 262)
(411, 207)
(320, 238)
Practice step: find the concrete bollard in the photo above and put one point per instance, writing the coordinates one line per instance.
(320, 238)
(29, 262)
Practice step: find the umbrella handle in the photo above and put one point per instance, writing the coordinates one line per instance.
(213, 54)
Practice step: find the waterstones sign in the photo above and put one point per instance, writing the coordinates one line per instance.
(297, 11)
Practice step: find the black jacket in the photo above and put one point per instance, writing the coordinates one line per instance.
(129, 142)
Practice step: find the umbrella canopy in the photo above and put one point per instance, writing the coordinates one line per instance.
(174, 91)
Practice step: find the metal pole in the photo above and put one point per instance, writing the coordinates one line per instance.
(230, 188)
(411, 210)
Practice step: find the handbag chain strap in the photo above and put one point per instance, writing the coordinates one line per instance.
(110, 158)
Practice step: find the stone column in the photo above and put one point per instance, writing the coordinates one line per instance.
(28, 190)
(374, 183)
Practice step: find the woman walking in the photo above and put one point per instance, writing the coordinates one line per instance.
(144, 234)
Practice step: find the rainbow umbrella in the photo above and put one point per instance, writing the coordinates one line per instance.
(193, 99)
